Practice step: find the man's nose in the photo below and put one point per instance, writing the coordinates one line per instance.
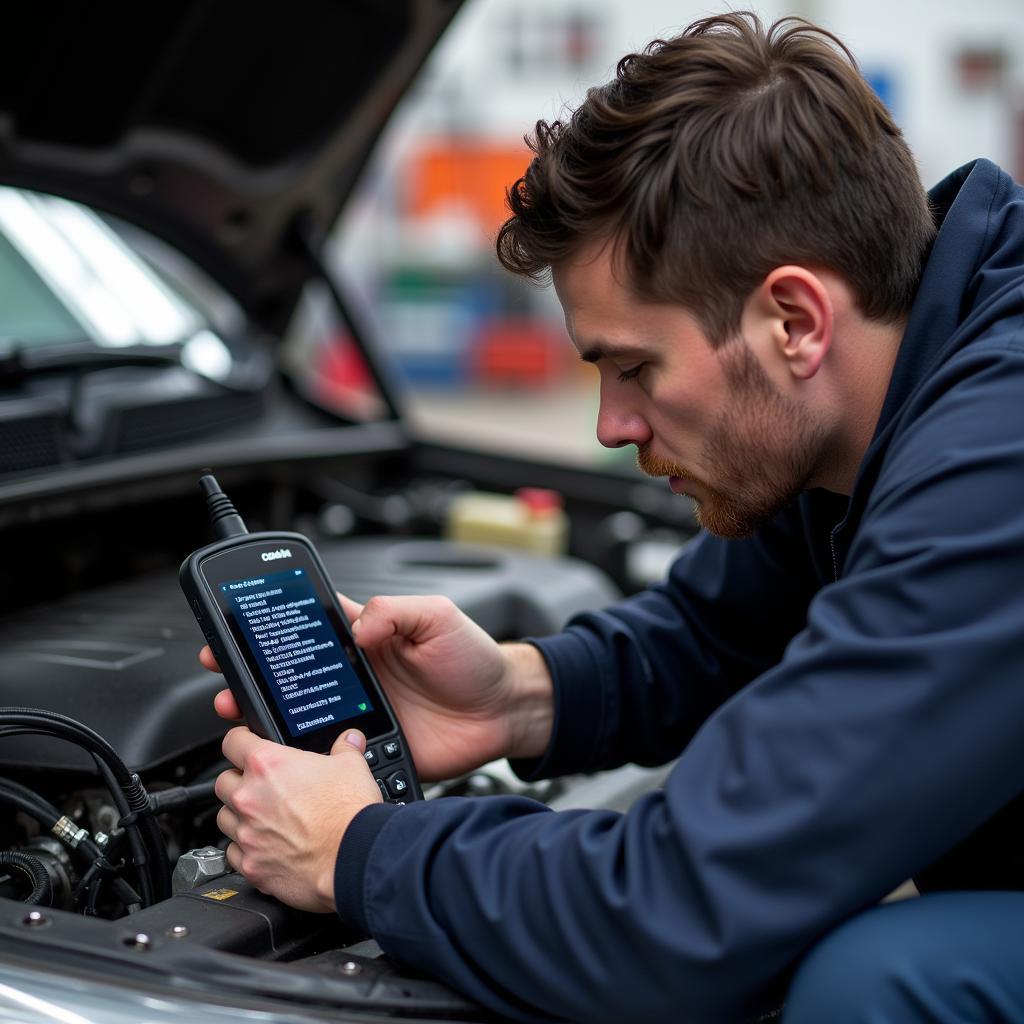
(619, 423)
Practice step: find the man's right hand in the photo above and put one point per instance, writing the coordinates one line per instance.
(462, 699)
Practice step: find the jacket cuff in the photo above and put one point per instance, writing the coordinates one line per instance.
(581, 701)
(350, 865)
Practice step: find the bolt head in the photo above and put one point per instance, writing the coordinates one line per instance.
(350, 967)
(35, 919)
(178, 931)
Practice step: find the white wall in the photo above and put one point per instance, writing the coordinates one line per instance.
(913, 42)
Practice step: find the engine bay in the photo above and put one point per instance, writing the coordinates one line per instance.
(109, 747)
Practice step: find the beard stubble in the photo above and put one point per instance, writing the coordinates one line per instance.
(762, 451)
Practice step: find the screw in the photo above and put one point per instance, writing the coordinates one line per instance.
(350, 967)
(141, 941)
(34, 919)
(178, 931)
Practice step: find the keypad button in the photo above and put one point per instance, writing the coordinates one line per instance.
(398, 785)
(392, 749)
(371, 757)
(383, 790)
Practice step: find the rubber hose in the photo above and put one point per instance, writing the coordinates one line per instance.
(30, 868)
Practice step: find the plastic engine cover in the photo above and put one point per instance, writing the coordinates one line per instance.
(122, 658)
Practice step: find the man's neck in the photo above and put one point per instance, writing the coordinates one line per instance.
(868, 355)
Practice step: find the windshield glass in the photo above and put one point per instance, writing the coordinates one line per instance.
(67, 277)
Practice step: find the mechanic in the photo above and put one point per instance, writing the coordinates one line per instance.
(831, 364)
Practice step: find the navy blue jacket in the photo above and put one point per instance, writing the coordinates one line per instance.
(845, 689)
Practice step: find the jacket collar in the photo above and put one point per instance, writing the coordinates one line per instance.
(961, 204)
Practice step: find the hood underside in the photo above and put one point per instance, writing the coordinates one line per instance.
(226, 128)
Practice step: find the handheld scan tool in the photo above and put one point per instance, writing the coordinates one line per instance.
(274, 624)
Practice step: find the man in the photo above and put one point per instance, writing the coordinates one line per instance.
(832, 366)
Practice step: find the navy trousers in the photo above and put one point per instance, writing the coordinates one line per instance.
(946, 958)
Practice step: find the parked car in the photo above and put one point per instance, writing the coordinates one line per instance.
(170, 175)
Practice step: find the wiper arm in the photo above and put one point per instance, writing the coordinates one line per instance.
(76, 362)
(19, 363)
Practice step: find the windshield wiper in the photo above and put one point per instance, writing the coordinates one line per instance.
(76, 362)
(19, 363)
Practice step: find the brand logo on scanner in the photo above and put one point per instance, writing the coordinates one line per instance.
(271, 556)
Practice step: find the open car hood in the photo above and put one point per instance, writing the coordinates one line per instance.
(226, 128)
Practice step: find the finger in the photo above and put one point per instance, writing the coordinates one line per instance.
(234, 856)
(226, 784)
(239, 744)
(207, 660)
(352, 744)
(227, 822)
(226, 706)
(413, 617)
(352, 609)
(349, 740)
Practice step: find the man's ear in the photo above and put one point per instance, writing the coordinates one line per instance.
(793, 314)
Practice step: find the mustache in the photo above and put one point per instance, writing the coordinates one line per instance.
(655, 465)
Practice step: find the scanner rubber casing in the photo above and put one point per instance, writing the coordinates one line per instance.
(251, 697)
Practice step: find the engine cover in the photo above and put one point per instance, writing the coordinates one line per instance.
(122, 659)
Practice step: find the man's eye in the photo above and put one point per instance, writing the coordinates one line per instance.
(631, 374)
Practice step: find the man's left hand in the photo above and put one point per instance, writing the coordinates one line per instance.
(285, 811)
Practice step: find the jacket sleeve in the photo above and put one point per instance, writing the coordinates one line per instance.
(889, 730)
(634, 681)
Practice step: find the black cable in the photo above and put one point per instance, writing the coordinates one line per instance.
(182, 796)
(50, 722)
(42, 810)
(31, 869)
(224, 517)
(145, 848)
(116, 793)
(161, 877)
(140, 853)
(24, 799)
(75, 731)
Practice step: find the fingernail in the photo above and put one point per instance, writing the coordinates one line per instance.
(356, 626)
(356, 738)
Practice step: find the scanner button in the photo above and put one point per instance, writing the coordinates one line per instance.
(398, 784)
(371, 757)
(392, 749)
(383, 790)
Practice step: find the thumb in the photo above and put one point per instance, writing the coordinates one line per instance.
(350, 738)
(413, 618)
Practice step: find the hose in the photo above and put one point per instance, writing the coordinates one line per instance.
(31, 869)
(148, 848)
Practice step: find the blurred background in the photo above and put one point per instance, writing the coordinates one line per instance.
(483, 356)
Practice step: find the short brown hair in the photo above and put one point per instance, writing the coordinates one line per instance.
(716, 156)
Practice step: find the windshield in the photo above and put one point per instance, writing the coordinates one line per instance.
(110, 342)
(66, 278)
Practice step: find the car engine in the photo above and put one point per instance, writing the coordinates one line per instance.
(109, 773)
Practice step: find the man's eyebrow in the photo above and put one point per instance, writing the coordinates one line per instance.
(601, 349)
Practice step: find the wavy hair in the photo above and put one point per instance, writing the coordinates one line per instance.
(717, 155)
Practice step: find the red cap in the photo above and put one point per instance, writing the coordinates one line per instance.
(539, 500)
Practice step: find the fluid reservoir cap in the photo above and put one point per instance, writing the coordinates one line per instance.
(198, 866)
(539, 500)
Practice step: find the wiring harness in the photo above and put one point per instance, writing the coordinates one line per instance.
(146, 862)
